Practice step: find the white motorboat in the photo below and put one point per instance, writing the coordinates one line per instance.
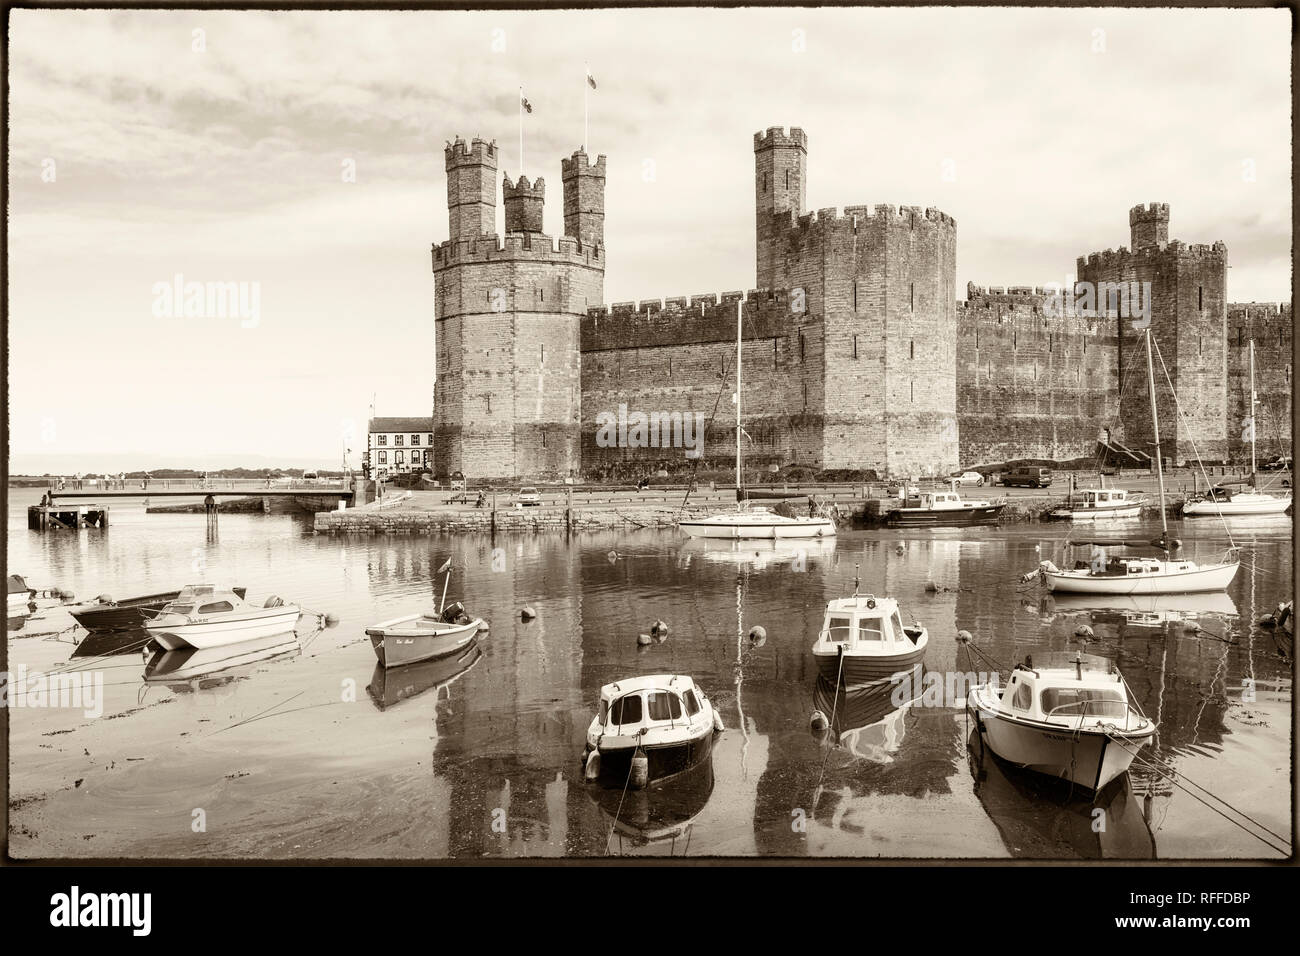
(863, 639)
(202, 616)
(747, 521)
(754, 522)
(1226, 503)
(1095, 504)
(1067, 715)
(1141, 575)
(20, 595)
(649, 729)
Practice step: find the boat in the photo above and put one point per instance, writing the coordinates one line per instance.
(110, 615)
(1096, 504)
(757, 522)
(863, 639)
(389, 686)
(191, 663)
(424, 636)
(942, 509)
(747, 521)
(20, 595)
(1141, 574)
(649, 729)
(1221, 500)
(1067, 715)
(203, 615)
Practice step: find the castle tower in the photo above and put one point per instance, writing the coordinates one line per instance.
(524, 203)
(780, 187)
(1181, 291)
(1149, 226)
(471, 188)
(507, 395)
(584, 198)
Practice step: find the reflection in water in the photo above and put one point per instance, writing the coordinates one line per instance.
(1044, 818)
(865, 720)
(177, 669)
(756, 553)
(390, 686)
(111, 643)
(657, 819)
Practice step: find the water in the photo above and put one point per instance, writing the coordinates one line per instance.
(311, 752)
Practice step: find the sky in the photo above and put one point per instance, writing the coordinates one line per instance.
(300, 154)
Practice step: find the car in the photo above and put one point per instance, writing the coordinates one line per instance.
(1277, 463)
(966, 478)
(528, 497)
(1028, 477)
(908, 490)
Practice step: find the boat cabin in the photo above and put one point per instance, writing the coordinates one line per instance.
(935, 501)
(661, 700)
(1103, 498)
(1067, 686)
(203, 599)
(867, 624)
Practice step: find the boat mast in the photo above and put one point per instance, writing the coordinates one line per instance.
(1155, 432)
(739, 316)
(1253, 481)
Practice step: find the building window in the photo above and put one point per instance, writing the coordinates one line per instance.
(397, 440)
(801, 352)
(1200, 299)
(855, 295)
(911, 349)
(911, 293)
(855, 346)
(415, 439)
(383, 439)
(787, 179)
(911, 391)
(543, 348)
(383, 457)
(397, 458)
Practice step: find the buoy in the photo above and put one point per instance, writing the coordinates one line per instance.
(104, 599)
(592, 769)
(717, 722)
(1083, 630)
(931, 587)
(964, 637)
(819, 721)
(644, 640)
(900, 550)
(1191, 627)
(527, 613)
(659, 629)
(330, 620)
(640, 770)
(757, 636)
(612, 556)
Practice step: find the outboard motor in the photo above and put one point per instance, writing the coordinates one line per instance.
(274, 601)
(452, 612)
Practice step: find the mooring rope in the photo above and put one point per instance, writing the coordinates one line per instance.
(613, 826)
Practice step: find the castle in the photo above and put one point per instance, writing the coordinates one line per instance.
(857, 353)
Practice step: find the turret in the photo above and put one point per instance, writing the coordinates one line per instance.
(524, 203)
(1149, 226)
(471, 188)
(780, 186)
(584, 198)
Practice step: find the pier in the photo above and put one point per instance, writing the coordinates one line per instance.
(66, 517)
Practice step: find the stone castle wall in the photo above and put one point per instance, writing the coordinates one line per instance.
(1270, 326)
(1032, 380)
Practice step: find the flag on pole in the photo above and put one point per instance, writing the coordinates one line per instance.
(523, 101)
(591, 80)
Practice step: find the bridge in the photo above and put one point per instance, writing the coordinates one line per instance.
(198, 487)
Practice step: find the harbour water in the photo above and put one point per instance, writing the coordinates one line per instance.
(305, 750)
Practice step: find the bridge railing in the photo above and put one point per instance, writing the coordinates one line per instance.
(200, 485)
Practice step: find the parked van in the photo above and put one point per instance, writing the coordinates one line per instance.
(1028, 477)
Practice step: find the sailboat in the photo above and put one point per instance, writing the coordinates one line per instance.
(747, 521)
(1225, 502)
(1142, 574)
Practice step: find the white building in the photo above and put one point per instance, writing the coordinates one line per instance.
(396, 445)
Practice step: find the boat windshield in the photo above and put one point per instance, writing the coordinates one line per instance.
(871, 629)
(662, 705)
(179, 609)
(626, 710)
(1083, 702)
(839, 627)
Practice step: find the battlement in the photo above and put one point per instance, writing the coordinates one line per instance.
(1152, 212)
(522, 189)
(776, 136)
(477, 152)
(682, 320)
(1261, 310)
(577, 165)
(530, 246)
(1175, 249)
(853, 216)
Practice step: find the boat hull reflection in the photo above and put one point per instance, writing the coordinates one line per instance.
(389, 686)
(661, 813)
(187, 664)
